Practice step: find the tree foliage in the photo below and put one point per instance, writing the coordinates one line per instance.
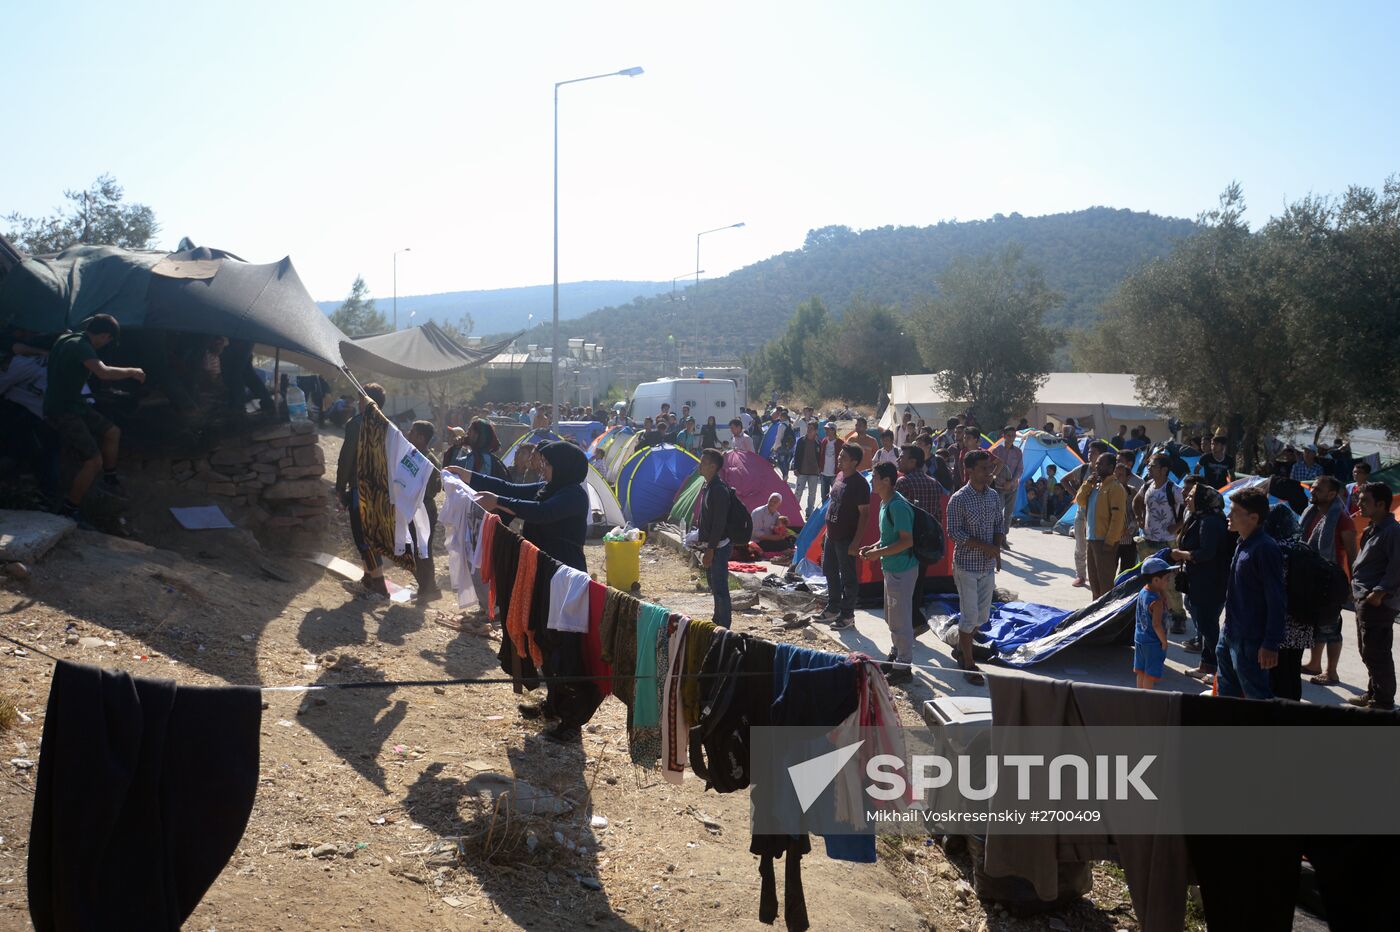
(357, 316)
(1248, 331)
(95, 216)
(984, 334)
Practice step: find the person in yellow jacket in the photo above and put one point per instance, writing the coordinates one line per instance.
(1104, 503)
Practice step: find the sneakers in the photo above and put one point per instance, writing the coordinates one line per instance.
(535, 711)
(1361, 702)
(844, 622)
(974, 678)
(889, 658)
(828, 615)
(1193, 645)
(1079, 582)
(899, 676)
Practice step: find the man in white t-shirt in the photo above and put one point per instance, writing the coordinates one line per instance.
(1159, 505)
(829, 450)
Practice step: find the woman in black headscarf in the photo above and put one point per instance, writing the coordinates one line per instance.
(555, 513)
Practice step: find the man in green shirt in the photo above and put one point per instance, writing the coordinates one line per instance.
(95, 439)
(899, 565)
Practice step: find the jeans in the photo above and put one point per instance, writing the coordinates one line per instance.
(1205, 615)
(840, 569)
(827, 483)
(1375, 635)
(899, 605)
(718, 575)
(974, 597)
(1237, 670)
(810, 484)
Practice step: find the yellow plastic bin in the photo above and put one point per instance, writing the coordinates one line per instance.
(623, 560)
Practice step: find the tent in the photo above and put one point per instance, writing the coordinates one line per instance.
(196, 290)
(755, 479)
(647, 483)
(683, 509)
(604, 440)
(534, 436)
(770, 440)
(620, 451)
(1038, 450)
(582, 432)
(1098, 401)
(604, 512)
(421, 352)
(871, 580)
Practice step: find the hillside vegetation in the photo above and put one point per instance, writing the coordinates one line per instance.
(1084, 255)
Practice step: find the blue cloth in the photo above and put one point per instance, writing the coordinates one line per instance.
(1255, 599)
(819, 688)
(1015, 623)
(1149, 656)
(1142, 621)
(651, 624)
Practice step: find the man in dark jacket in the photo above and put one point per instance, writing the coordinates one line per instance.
(713, 534)
(807, 460)
(1255, 604)
(1375, 587)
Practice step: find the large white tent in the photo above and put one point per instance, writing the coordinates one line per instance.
(1098, 401)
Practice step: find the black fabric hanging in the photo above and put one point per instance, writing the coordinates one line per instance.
(143, 792)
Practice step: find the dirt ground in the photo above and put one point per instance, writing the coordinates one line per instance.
(373, 807)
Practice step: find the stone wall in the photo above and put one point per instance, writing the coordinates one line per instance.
(275, 472)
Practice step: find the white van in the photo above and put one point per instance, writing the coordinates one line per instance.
(706, 397)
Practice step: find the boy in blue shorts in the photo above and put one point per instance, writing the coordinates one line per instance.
(1150, 634)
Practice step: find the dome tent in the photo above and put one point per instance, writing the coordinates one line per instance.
(754, 479)
(620, 452)
(533, 437)
(604, 512)
(647, 483)
(683, 510)
(1038, 450)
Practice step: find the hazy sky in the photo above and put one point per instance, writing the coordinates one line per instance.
(338, 132)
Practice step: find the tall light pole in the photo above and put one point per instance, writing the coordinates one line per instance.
(557, 358)
(396, 284)
(732, 226)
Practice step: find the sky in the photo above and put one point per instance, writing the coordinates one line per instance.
(338, 133)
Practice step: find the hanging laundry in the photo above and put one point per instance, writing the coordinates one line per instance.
(372, 474)
(618, 634)
(143, 792)
(675, 731)
(593, 643)
(464, 524)
(644, 731)
(409, 472)
(568, 600)
(517, 622)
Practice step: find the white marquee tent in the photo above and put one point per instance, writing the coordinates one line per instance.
(1098, 401)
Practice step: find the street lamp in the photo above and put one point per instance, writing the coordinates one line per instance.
(557, 358)
(396, 284)
(732, 226)
(685, 274)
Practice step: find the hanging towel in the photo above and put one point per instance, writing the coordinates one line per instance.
(593, 641)
(675, 730)
(697, 644)
(521, 596)
(619, 639)
(372, 484)
(568, 600)
(143, 792)
(409, 472)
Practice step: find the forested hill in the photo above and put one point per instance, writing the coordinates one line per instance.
(1082, 254)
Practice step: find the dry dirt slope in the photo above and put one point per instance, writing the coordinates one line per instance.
(374, 807)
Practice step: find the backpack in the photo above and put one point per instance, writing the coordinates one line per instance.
(738, 524)
(719, 741)
(1315, 586)
(929, 544)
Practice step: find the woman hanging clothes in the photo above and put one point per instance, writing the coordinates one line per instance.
(555, 516)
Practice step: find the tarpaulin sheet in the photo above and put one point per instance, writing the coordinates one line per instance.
(421, 352)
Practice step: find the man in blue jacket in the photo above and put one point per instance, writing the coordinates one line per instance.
(1255, 604)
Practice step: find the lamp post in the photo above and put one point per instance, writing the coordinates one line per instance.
(557, 358)
(396, 284)
(685, 274)
(732, 226)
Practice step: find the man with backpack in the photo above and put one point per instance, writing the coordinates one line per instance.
(899, 566)
(724, 522)
(1158, 507)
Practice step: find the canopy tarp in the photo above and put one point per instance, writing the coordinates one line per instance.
(197, 290)
(421, 352)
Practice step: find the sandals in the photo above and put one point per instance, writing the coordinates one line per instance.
(1322, 679)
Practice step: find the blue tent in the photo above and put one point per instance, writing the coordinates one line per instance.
(770, 440)
(648, 482)
(582, 432)
(1038, 450)
(815, 522)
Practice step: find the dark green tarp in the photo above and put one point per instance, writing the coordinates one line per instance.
(197, 290)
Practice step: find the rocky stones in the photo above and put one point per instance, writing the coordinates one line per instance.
(308, 456)
(25, 536)
(273, 432)
(296, 488)
(325, 851)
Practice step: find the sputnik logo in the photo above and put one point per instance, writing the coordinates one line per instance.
(811, 777)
